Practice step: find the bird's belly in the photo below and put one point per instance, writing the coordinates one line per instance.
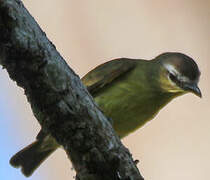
(131, 117)
(128, 111)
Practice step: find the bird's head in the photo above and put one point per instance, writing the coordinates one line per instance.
(179, 73)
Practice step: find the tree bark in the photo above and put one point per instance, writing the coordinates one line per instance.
(59, 100)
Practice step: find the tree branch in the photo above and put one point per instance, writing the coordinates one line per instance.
(58, 99)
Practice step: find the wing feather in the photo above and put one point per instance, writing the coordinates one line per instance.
(105, 73)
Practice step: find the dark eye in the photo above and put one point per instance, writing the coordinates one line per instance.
(173, 77)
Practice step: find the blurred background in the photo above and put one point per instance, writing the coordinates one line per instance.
(176, 144)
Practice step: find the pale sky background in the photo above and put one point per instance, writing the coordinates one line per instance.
(176, 144)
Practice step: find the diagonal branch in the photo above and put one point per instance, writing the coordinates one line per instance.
(58, 99)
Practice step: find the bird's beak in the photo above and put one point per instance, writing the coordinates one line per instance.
(193, 88)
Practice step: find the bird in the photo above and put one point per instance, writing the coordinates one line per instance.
(130, 92)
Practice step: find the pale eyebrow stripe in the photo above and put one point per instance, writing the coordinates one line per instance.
(173, 70)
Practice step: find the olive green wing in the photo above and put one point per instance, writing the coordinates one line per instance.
(105, 73)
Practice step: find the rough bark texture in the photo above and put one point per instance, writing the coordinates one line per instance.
(58, 99)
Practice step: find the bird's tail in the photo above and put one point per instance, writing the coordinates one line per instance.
(31, 157)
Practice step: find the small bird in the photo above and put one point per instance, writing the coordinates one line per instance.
(130, 92)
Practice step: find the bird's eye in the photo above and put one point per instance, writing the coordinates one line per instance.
(173, 77)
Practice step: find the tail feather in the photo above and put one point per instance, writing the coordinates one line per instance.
(31, 157)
